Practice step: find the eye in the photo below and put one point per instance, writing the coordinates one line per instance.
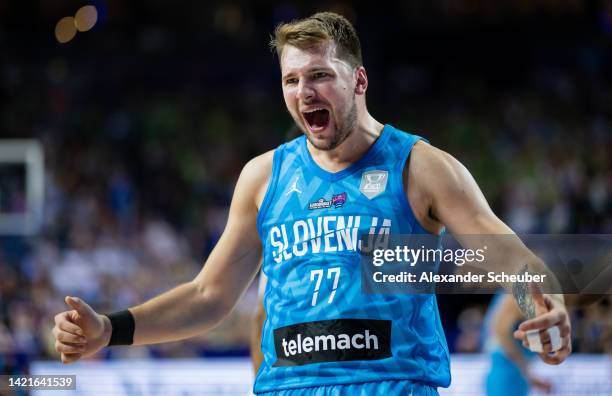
(319, 75)
(291, 81)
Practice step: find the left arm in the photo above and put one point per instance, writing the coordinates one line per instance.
(454, 200)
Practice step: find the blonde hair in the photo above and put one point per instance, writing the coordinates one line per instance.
(317, 29)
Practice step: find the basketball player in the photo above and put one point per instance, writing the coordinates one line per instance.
(509, 372)
(298, 206)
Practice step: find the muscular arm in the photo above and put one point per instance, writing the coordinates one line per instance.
(193, 307)
(446, 194)
(454, 200)
(197, 306)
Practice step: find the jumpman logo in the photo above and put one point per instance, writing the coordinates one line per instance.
(293, 187)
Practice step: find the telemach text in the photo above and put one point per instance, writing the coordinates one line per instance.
(469, 277)
(323, 342)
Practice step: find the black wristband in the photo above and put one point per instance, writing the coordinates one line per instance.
(122, 323)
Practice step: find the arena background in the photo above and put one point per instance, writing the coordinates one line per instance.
(146, 116)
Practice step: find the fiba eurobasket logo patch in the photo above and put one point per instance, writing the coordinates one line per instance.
(373, 183)
(337, 201)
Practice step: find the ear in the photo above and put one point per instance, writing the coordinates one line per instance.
(361, 83)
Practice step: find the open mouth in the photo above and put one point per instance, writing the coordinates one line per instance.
(317, 119)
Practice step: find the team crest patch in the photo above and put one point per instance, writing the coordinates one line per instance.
(373, 183)
(337, 201)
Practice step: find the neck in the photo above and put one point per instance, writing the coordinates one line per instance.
(361, 138)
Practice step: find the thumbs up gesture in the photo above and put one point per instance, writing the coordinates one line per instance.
(549, 313)
(80, 332)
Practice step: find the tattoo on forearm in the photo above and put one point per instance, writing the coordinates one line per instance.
(520, 291)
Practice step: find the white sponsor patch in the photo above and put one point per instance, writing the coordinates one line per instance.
(373, 183)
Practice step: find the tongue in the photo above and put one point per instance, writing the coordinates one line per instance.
(319, 119)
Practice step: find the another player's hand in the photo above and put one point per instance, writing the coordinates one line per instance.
(549, 313)
(80, 332)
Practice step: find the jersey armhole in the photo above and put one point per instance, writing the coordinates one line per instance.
(404, 156)
(270, 190)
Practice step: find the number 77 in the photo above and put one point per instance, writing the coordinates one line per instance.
(319, 275)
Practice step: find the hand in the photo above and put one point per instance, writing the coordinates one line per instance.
(80, 332)
(548, 314)
(540, 384)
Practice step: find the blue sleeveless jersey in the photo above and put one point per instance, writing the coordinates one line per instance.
(320, 328)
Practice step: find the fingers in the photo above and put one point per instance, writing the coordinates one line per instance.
(545, 338)
(564, 329)
(547, 347)
(525, 344)
(63, 347)
(549, 302)
(80, 307)
(68, 336)
(552, 318)
(547, 355)
(545, 341)
(75, 302)
(551, 359)
(64, 336)
(559, 356)
(62, 321)
(68, 358)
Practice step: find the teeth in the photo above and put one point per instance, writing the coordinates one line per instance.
(313, 110)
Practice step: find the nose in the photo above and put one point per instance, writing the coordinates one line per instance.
(304, 93)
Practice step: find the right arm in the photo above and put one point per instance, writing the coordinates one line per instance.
(197, 306)
(193, 307)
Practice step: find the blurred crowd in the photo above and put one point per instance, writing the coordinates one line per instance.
(145, 129)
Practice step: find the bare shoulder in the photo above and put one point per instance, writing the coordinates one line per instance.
(429, 160)
(256, 175)
(428, 174)
(433, 169)
(449, 193)
(259, 167)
